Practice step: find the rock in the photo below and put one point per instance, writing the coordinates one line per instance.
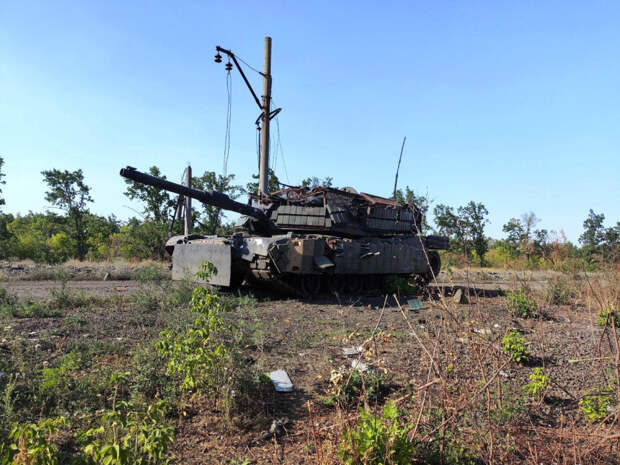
(106, 277)
(281, 381)
(348, 351)
(459, 297)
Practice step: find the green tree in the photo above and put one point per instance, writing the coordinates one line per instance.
(2, 181)
(515, 231)
(421, 201)
(594, 231)
(451, 225)
(158, 204)
(273, 183)
(68, 192)
(312, 182)
(474, 217)
(212, 217)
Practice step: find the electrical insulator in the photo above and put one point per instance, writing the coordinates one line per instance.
(228, 66)
(218, 58)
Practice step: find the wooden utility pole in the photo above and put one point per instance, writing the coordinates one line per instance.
(263, 175)
(188, 203)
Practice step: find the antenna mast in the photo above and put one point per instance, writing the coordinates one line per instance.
(398, 167)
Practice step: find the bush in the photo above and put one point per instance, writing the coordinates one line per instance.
(597, 404)
(514, 345)
(379, 439)
(560, 291)
(607, 317)
(520, 305)
(32, 443)
(539, 383)
(350, 385)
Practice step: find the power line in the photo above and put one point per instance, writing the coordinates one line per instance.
(228, 121)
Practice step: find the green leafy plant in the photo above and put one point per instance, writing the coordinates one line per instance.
(520, 305)
(539, 383)
(596, 404)
(514, 344)
(129, 436)
(607, 317)
(348, 386)
(32, 443)
(378, 439)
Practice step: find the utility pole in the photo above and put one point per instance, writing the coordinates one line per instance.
(188, 202)
(263, 175)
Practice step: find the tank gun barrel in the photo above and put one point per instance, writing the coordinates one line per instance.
(217, 199)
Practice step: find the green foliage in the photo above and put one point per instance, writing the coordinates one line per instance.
(128, 436)
(539, 383)
(597, 403)
(32, 443)
(151, 273)
(607, 317)
(211, 220)
(274, 183)
(68, 192)
(521, 305)
(11, 307)
(514, 345)
(378, 439)
(312, 182)
(350, 385)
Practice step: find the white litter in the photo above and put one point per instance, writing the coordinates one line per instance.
(281, 381)
(348, 351)
(359, 366)
(482, 331)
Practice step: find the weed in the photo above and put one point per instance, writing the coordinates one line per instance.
(520, 305)
(151, 273)
(32, 443)
(514, 345)
(33, 309)
(348, 386)
(607, 317)
(378, 439)
(539, 383)
(129, 436)
(560, 291)
(597, 403)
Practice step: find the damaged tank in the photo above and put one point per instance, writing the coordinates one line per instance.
(306, 240)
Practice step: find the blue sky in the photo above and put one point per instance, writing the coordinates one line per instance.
(513, 104)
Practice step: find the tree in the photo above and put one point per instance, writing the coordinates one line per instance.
(68, 192)
(421, 201)
(273, 183)
(2, 181)
(474, 216)
(212, 221)
(450, 225)
(594, 231)
(312, 182)
(515, 230)
(158, 204)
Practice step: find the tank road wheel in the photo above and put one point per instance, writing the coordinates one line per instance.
(336, 284)
(310, 284)
(435, 261)
(354, 284)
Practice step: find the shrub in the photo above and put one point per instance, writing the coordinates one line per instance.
(539, 383)
(32, 443)
(350, 385)
(520, 305)
(378, 439)
(560, 291)
(596, 404)
(514, 345)
(127, 436)
(607, 317)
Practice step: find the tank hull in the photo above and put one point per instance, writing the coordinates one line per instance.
(306, 264)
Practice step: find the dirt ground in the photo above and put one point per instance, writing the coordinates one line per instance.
(306, 338)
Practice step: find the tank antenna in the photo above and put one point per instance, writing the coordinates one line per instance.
(398, 167)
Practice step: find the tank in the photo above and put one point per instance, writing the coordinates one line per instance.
(307, 240)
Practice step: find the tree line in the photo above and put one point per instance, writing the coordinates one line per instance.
(73, 231)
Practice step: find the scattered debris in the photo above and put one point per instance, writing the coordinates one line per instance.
(348, 351)
(281, 381)
(482, 331)
(504, 374)
(277, 428)
(359, 366)
(496, 326)
(415, 304)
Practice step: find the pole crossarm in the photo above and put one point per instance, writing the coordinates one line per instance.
(245, 79)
